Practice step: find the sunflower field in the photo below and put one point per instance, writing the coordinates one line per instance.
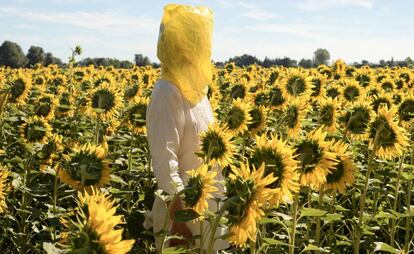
(315, 160)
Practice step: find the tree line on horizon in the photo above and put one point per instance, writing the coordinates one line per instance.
(12, 55)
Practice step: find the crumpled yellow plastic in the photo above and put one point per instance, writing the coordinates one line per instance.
(184, 49)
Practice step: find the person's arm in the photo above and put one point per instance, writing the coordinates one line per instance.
(165, 126)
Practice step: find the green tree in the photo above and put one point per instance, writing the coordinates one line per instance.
(50, 59)
(305, 63)
(321, 56)
(11, 54)
(35, 55)
(141, 60)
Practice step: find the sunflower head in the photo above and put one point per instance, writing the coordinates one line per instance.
(318, 82)
(238, 117)
(351, 91)
(296, 84)
(45, 106)
(85, 167)
(276, 98)
(341, 175)
(294, 115)
(35, 130)
(328, 112)
(315, 159)
(279, 162)
(104, 101)
(20, 86)
(333, 90)
(199, 189)
(135, 115)
(4, 187)
(131, 91)
(387, 84)
(406, 110)
(216, 146)
(356, 119)
(247, 193)
(380, 100)
(258, 122)
(364, 78)
(386, 137)
(96, 226)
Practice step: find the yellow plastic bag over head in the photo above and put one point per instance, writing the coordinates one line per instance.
(184, 49)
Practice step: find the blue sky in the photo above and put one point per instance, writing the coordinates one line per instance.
(350, 29)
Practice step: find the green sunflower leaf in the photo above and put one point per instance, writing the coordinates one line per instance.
(185, 215)
(380, 246)
(312, 212)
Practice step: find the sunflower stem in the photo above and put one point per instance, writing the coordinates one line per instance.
(318, 219)
(358, 231)
(55, 193)
(394, 207)
(98, 121)
(332, 225)
(294, 222)
(408, 219)
(252, 247)
(216, 222)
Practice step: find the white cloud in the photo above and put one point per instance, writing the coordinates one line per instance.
(250, 11)
(316, 5)
(301, 30)
(100, 22)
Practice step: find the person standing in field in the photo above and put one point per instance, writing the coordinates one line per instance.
(179, 111)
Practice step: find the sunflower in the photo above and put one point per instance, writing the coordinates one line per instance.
(132, 91)
(85, 167)
(35, 130)
(342, 175)
(238, 118)
(328, 110)
(279, 161)
(276, 98)
(387, 138)
(199, 189)
(135, 115)
(20, 86)
(96, 228)
(381, 99)
(216, 146)
(339, 67)
(363, 77)
(406, 110)
(333, 90)
(351, 91)
(65, 104)
(46, 106)
(258, 122)
(325, 70)
(251, 188)
(319, 83)
(4, 187)
(387, 84)
(294, 115)
(239, 90)
(357, 117)
(316, 161)
(104, 101)
(296, 84)
(51, 151)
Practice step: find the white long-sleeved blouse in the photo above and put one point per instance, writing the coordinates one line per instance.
(173, 128)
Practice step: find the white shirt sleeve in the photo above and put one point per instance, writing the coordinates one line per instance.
(165, 126)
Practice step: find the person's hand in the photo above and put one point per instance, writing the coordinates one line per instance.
(178, 228)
